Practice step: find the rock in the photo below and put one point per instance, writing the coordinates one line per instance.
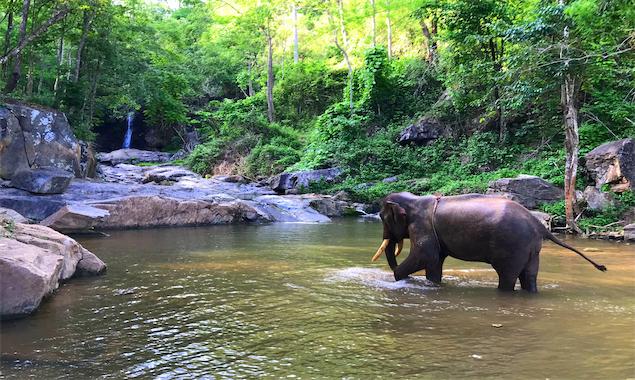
(423, 132)
(281, 182)
(33, 261)
(326, 206)
(75, 218)
(13, 215)
(27, 274)
(302, 179)
(284, 181)
(598, 200)
(44, 180)
(87, 161)
(157, 211)
(543, 217)
(364, 186)
(89, 265)
(390, 179)
(123, 156)
(29, 206)
(527, 190)
(168, 173)
(32, 136)
(613, 163)
(342, 196)
(629, 232)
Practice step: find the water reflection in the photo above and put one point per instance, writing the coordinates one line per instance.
(304, 301)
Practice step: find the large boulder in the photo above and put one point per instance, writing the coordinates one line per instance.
(527, 190)
(33, 261)
(7, 213)
(598, 200)
(629, 232)
(75, 218)
(47, 180)
(122, 156)
(283, 182)
(423, 132)
(36, 136)
(614, 164)
(158, 211)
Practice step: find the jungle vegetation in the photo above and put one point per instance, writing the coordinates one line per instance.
(270, 85)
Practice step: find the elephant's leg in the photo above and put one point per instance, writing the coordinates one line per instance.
(434, 273)
(529, 274)
(422, 255)
(507, 276)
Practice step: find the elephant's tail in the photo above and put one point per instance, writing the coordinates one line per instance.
(550, 236)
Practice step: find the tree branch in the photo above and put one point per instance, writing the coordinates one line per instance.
(60, 14)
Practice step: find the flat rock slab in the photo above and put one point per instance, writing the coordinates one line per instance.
(75, 218)
(42, 180)
(629, 232)
(122, 156)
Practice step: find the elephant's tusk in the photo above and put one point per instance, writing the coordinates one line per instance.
(399, 248)
(381, 249)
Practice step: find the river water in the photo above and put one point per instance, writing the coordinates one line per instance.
(304, 301)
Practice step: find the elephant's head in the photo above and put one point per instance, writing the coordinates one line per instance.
(395, 220)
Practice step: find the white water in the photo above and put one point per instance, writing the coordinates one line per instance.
(128, 137)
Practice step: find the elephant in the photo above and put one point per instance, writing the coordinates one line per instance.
(470, 227)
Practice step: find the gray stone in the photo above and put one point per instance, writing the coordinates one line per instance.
(44, 180)
(543, 217)
(13, 215)
(598, 200)
(423, 132)
(33, 136)
(390, 179)
(281, 182)
(167, 173)
(75, 218)
(629, 232)
(326, 206)
(614, 164)
(122, 156)
(527, 190)
(89, 265)
(33, 261)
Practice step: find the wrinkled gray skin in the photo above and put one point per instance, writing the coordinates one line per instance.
(471, 227)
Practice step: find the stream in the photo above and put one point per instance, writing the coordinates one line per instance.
(304, 301)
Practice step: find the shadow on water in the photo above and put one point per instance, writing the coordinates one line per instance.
(305, 301)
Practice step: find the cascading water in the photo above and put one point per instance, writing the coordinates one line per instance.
(128, 137)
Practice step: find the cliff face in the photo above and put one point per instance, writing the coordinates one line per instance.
(36, 136)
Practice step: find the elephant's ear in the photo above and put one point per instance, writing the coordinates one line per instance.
(398, 213)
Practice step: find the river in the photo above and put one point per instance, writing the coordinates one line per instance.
(304, 301)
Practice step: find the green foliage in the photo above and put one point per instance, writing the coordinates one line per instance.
(204, 156)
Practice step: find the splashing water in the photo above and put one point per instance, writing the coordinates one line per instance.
(128, 137)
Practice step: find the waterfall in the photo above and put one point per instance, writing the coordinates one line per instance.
(128, 137)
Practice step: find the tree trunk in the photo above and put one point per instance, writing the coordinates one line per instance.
(270, 80)
(18, 48)
(7, 37)
(350, 69)
(340, 4)
(12, 82)
(60, 60)
(39, 85)
(250, 91)
(29, 81)
(78, 54)
(388, 29)
(93, 94)
(569, 91)
(372, 22)
(296, 54)
(426, 41)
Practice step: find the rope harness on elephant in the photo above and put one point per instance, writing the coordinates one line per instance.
(434, 212)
